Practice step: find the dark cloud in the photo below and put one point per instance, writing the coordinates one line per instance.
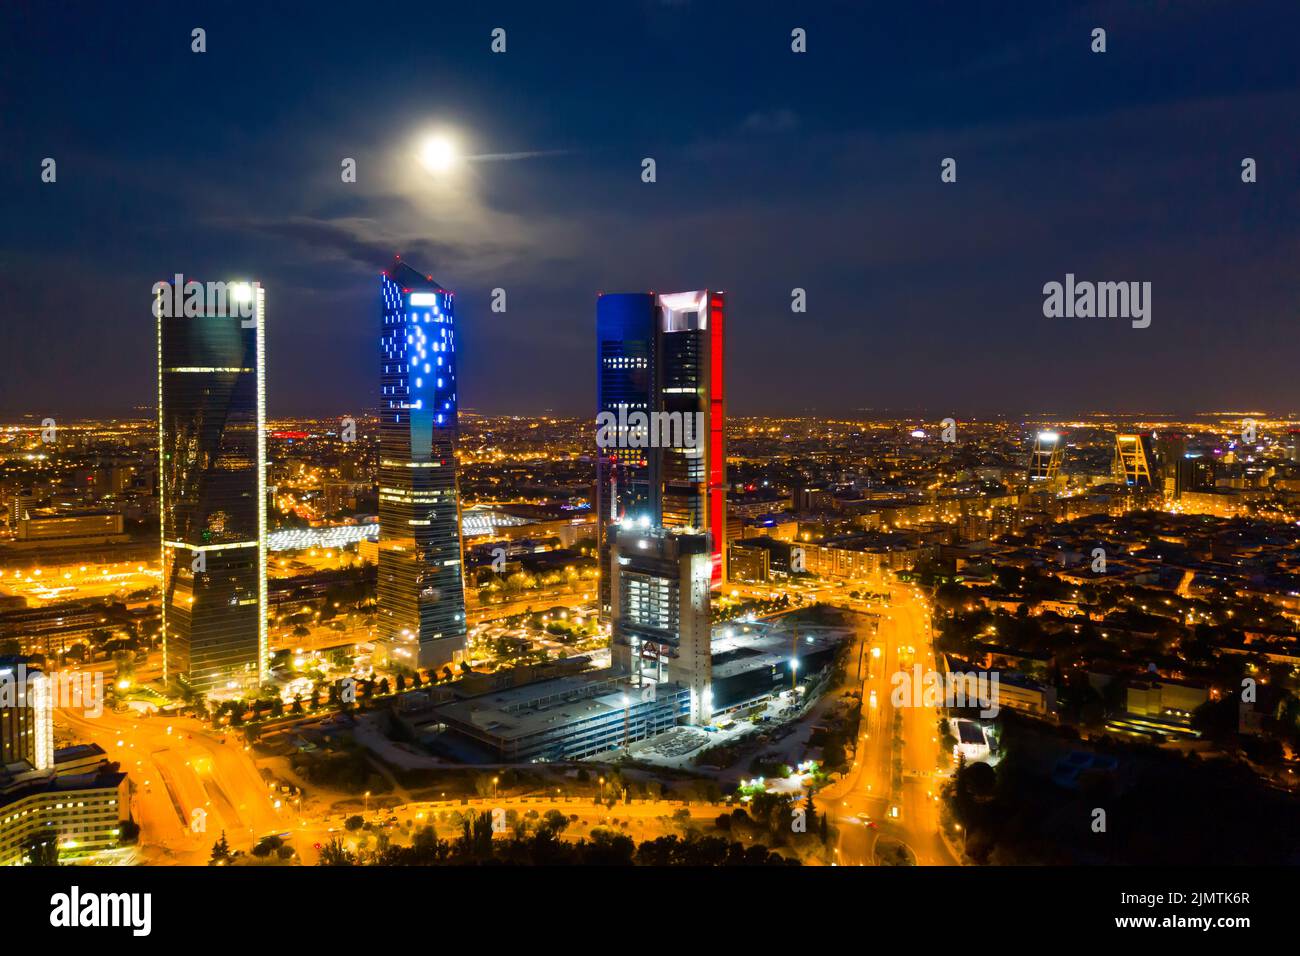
(367, 243)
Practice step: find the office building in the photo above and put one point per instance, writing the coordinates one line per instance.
(421, 573)
(47, 526)
(1195, 473)
(660, 376)
(565, 718)
(26, 715)
(625, 353)
(1170, 448)
(71, 795)
(751, 669)
(1045, 463)
(661, 611)
(20, 505)
(1133, 463)
(691, 482)
(812, 500)
(212, 467)
(749, 562)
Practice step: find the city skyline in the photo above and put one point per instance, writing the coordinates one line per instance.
(685, 435)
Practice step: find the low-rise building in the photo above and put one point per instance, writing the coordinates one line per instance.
(1165, 697)
(565, 719)
(82, 812)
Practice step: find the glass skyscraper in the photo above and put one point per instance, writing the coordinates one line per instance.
(212, 468)
(421, 572)
(662, 354)
(691, 482)
(625, 380)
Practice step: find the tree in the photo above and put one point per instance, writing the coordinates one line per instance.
(267, 845)
(220, 851)
(981, 780)
(949, 597)
(555, 821)
(475, 843)
(1217, 719)
(334, 853)
(124, 664)
(42, 849)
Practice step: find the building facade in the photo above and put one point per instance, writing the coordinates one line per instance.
(212, 467)
(421, 563)
(1048, 453)
(26, 715)
(566, 718)
(625, 383)
(661, 612)
(81, 813)
(662, 357)
(1134, 463)
(691, 482)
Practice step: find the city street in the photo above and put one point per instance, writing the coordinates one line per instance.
(863, 796)
(176, 768)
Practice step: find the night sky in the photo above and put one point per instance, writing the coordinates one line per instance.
(775, 171)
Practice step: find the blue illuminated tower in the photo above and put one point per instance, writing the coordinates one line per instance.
(421, 580)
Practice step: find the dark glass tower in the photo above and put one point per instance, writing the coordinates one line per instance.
(625, 378)
(691, 482)
(212, 466)
(662, 355)
(421, 579)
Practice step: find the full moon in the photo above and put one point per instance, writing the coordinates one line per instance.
(438, 153)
